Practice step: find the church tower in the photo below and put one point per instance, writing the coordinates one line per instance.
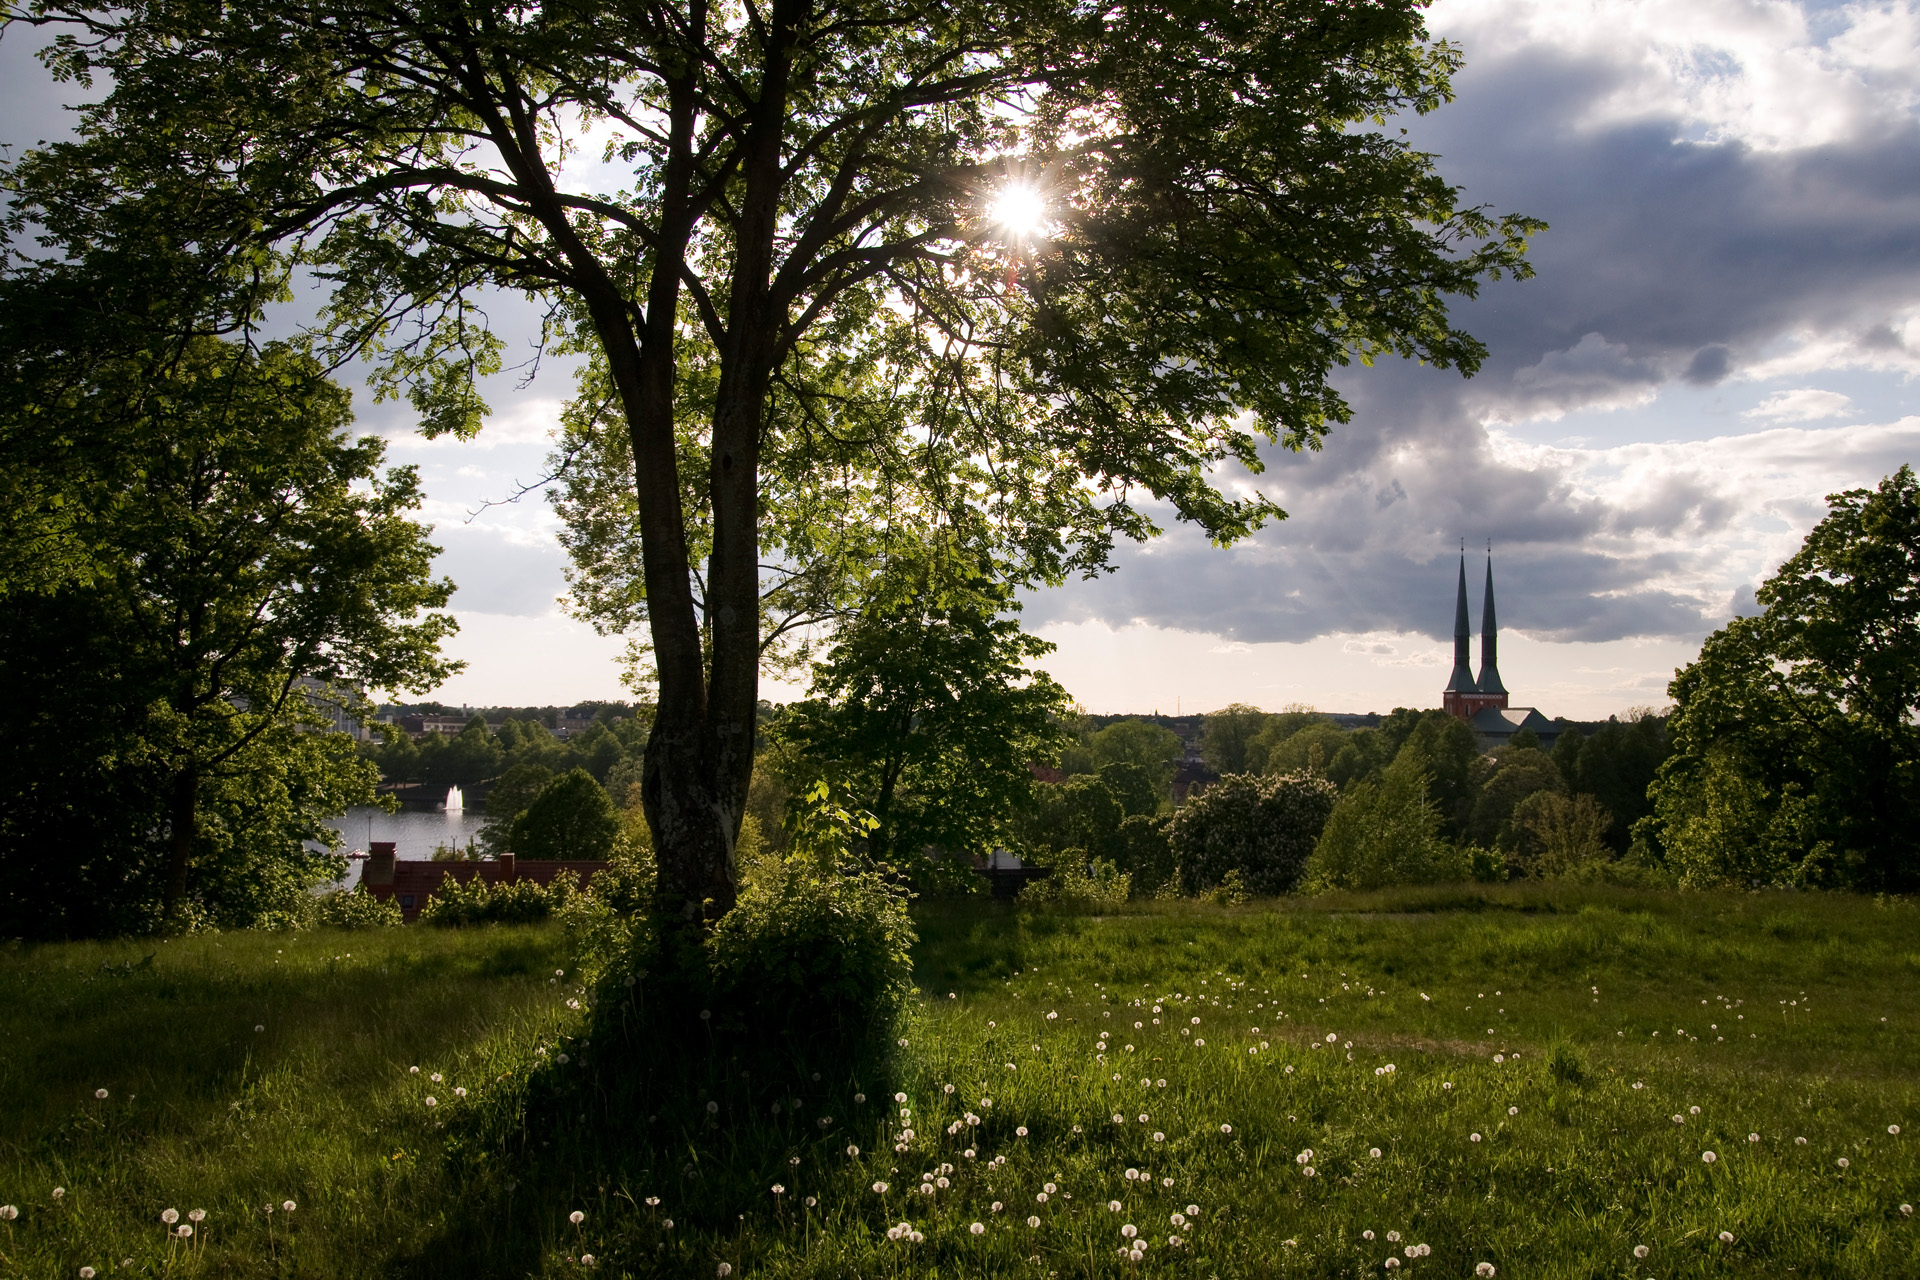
(1459, 699)
(1465, 696)
(1492, 692)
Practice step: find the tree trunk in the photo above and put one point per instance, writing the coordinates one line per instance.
(184, 820)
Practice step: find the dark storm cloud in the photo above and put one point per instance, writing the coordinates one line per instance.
(1666, 260)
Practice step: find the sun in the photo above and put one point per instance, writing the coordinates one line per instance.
(1019, 210)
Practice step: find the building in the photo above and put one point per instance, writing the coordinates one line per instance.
(412, 883)
(1482, 701)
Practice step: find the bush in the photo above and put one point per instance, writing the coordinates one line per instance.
(1262, 827)
(1384, 833)
(355, 909)
(474, 901)
(818, 957)
(1559, 833)
(1142, 851)
(1078, 882)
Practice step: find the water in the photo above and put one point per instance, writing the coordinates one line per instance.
(456, 800)
(414, 832)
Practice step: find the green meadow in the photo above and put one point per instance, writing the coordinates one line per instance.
(1421, 1083)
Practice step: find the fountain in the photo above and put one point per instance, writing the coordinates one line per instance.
(456, 803)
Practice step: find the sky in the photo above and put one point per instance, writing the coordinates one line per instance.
(1724, 328)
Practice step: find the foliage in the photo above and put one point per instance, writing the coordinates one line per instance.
(815, 956)
(797, 308)
(1796, 734)
(510, 797)
(1080, 882)
(1142, 850)
(471, 900)
(1384, 831)
(1262, 827)
(927, 712)
(1505, 780)
(1230, 732)
(1275, 730)
(1560, 833)
(1616, 766)
(571, 818)
(1132, 787)
(355, 909)
(1308, 749)
(249, 571)
(1138, 742)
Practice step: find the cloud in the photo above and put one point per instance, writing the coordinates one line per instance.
(500, 570)
(1802, 404)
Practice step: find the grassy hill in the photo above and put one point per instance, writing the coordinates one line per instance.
(1530, 1078)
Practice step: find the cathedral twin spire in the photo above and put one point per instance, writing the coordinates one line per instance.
(1464, 694)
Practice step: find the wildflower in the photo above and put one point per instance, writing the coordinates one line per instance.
(59, 1192)
(1226, 1129)
(1753, 1137)
(197, 1215)
(1033, 1222)
(1726, 1237)
(1708, 1157)
(100, 1094)
(1499, 1057)
(183, 1231)
(1050, 1188)
(1331, 1037)
(1842, 1162)
(1393, 1237)
(1894, 1129)
(1679, 1119)
(977, 1229)
(724, 1270)
(1693, 1111)
(996, 1207)
(1484, 1269)
(435, 1077)
(1113, 1206)
(1513, 1111)
(1446, 1084)
(9, 1212)
(1374, 1152)
(968, 1153)
(1473, 1137)
(1366, 1235)
(713, 1108)
(941, 1183)
(653, 1202)
(706, 1015)
(1799, 1142)
(1020, 1132)
(810, 1202)
(880, 1188)
(413, 1071)
(777, 1189)
(946, 1088)
(1906, 1210)
(1199, 1043)
(1307, 1171)
(1304, 1156)
(1178, 1219)
(1129, 1231)
(1392, 1263)
(899, 1097)
(586, 1259)
(852, 1150)
(432, 1101)
(1166, 1182)
(1174, 1242)
(860, 1097)
(1640, 1251)
(576, 1217)
(169, 1216)
(86, 1273)
(1158, 1136)
(460, 1091)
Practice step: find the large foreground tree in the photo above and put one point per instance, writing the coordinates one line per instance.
(1004, 267)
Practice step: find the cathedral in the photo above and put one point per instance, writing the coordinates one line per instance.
(1483, 702)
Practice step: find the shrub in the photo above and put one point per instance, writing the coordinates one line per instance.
(1559, 833)
(1262, 827)
(474, 901)
(1142, 851)
(1384, 833)
(817, 956)
(1078, 882)
(355, 909)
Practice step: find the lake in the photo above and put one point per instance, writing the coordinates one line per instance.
(415, 832)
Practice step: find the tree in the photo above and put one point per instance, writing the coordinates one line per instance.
(1796, 734)
(1138, 742)
(1560, 832)
(1504, 781)
(1617, 766)
(517, 788)
(250, 571)
(1132, 786)
(1264, 828)
(1384, 831)
(926, 712)
(1229, 734)
(571, 818)
(800, 310)
(1448, 752)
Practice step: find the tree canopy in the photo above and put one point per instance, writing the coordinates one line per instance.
(243, 571)
(1796, 734)
(770, 228)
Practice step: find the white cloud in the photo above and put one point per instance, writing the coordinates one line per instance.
(1802, 404)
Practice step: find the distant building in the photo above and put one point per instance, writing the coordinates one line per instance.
(412, 883)
(1482, 701)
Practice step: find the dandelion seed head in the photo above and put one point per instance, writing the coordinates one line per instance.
(169, 1216)
(1641, 1251)
(1033, 1222)
(1726, 1237)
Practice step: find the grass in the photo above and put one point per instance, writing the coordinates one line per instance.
(1786, 1016)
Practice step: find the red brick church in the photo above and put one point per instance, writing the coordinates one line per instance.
(1483, 701)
